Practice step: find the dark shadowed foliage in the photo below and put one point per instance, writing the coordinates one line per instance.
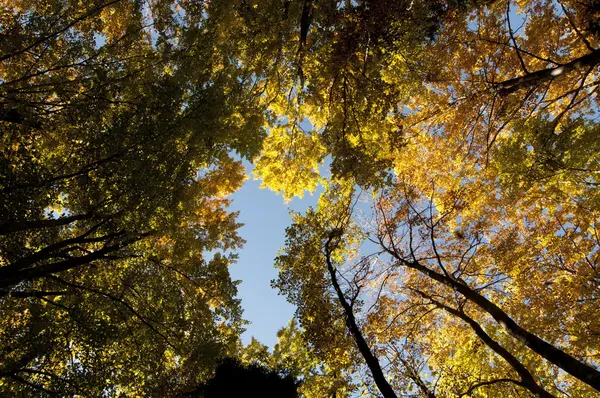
(233, 379)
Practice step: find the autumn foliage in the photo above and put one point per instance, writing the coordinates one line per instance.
(455, 249)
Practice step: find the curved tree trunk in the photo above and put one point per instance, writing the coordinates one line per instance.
(558, 357)
(372, 361)
(527, 379)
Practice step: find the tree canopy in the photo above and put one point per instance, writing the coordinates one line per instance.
(454, 253)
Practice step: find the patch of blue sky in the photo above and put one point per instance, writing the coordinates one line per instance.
(99, 40)
(265, 216)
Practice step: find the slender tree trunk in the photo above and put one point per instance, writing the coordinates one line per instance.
(566, 362)
(527, 379)
(540, 76)
(32, 293)
(372, 361)
(414, 376)
(8, 228)
(10, 277)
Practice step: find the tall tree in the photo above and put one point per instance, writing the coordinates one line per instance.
(471, 125)
(119, 121)
(475, 267)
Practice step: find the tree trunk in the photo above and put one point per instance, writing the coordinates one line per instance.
(527, 379)
(540, 76)
(566, 362)
(372, 361)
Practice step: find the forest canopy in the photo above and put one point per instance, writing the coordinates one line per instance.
(454, 251)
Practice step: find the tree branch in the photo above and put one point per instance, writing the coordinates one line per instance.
(534, 78)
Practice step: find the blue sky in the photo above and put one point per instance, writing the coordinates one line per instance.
(265, 215)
